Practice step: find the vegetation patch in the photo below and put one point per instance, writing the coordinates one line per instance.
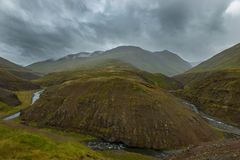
(18, 144)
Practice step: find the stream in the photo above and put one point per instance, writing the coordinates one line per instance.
(103, 145)
(35, 97)
(214, 122)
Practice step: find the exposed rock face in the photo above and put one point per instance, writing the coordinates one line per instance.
(120, 110)
(216, 93)
(9, 98)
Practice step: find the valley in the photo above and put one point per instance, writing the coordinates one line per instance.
(115, 109)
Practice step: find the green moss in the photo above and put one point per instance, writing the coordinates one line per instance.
(18, 144)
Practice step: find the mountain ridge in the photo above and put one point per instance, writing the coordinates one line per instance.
(136, 56)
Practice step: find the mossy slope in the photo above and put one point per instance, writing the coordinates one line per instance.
(216, 93)
(118, 108)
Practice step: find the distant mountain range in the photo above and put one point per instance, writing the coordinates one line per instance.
(164, 62)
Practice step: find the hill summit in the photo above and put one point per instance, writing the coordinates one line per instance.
(119, 105)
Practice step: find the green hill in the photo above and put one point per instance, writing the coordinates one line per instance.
(214, 85)
(119, 105)
(14, 78)
(216, 93)
(17, 70)
(163, 62)
(14, 83)
(109, 69)
(227, 59)
(221, 150)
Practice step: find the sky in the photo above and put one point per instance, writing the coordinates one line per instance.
(35, 30)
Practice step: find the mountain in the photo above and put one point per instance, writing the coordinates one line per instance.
(11, 82)
(227, 59)
(110, 68)
(214, 85)
(17, 70)
(119, 104)
(155, 62)
(14, 78)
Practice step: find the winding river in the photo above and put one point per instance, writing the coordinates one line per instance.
(103, 145)
(35, 97)
(215, 123)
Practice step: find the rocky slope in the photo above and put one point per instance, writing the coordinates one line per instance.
(163, 62)
(8, 98)
(108, 69)
(14, 78)
(120, 108)
(222, 150)
(17, 70)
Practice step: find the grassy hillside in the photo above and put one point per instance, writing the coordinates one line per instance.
(19, 144)
(227, 59)
(160, 62)
(109, 69)
(13, 78)
(23, 97)
(216, 93)
(215, 85)
(12, 82)
(17, 70)
(126, 106)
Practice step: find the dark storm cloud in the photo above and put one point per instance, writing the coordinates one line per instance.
(41, 29)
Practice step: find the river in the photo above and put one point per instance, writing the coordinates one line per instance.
(103, 145)
(35, 97)
(214, 122)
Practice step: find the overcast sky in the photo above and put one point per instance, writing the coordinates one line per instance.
(33, 30)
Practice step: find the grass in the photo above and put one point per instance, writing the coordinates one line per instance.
(26, 99)
(45, 144)
(19, 144)
(113, 70)
(123, 155)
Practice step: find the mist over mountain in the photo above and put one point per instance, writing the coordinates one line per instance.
(164, 62)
